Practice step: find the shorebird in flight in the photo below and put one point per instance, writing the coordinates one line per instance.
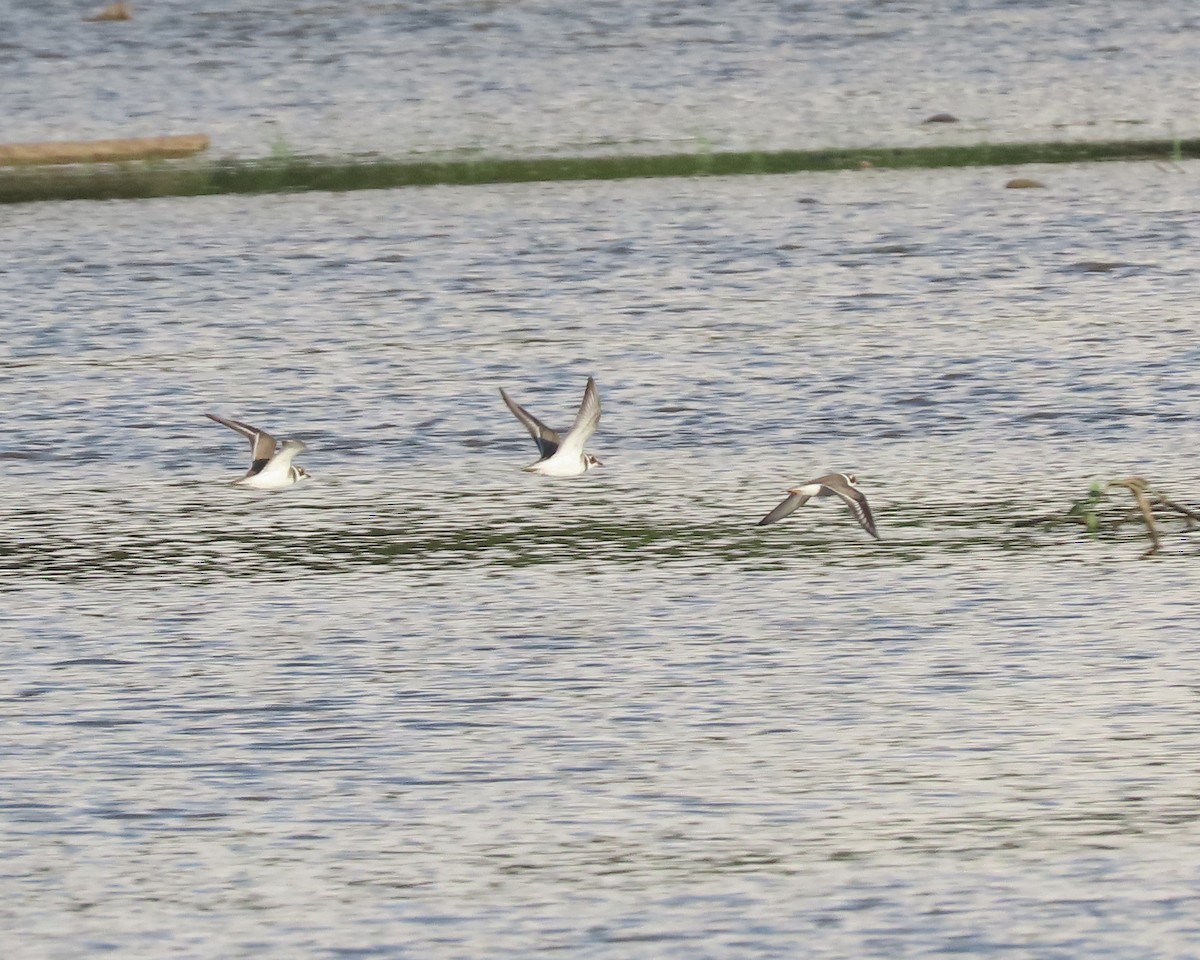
(562, 456)
(832, 484)
(271, 466)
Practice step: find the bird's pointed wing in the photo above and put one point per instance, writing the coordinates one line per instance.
(858, 505)
(788, 507)
(262, 444)
(586, 420)
(292, 448)
(282, 461)
(546, 439)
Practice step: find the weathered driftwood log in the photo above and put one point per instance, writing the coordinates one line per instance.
(102, 151)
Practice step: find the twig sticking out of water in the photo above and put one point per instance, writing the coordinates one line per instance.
(1137, 486)
(1149, 506)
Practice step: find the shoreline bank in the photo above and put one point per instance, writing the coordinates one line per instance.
(163, 178)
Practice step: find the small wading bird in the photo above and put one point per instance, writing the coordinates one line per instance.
(836, 484)
(562, 456)
(269, 469)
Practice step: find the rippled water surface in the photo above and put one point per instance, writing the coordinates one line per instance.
(428, 705)
(376, 76)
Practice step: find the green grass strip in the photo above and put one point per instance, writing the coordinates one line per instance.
(295, 174)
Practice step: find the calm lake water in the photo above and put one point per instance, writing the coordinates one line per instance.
(551, 76)
(427, 705)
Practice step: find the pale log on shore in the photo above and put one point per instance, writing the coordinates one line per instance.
(102, 151)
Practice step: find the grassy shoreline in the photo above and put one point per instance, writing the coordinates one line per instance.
(296, 174)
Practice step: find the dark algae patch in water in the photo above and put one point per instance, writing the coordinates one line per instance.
(296, 174)
(911, 532)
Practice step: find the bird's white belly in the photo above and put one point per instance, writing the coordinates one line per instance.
(559, 467)
(271, 477)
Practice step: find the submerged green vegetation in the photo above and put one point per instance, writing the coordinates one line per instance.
(1103, 513)
(417, 540)
(285, 173)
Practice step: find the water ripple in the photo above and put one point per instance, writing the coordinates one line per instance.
(427, 703)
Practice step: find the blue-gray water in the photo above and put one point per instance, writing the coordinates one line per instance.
(375, 76)
(427, 705)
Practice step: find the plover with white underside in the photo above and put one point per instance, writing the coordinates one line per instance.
(271, 466)
(562, 456)
(832, 484)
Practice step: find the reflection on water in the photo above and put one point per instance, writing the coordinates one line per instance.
(427, 703)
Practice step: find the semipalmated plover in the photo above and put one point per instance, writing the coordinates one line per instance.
(269, 470)
(562, 456)
(838, 484)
